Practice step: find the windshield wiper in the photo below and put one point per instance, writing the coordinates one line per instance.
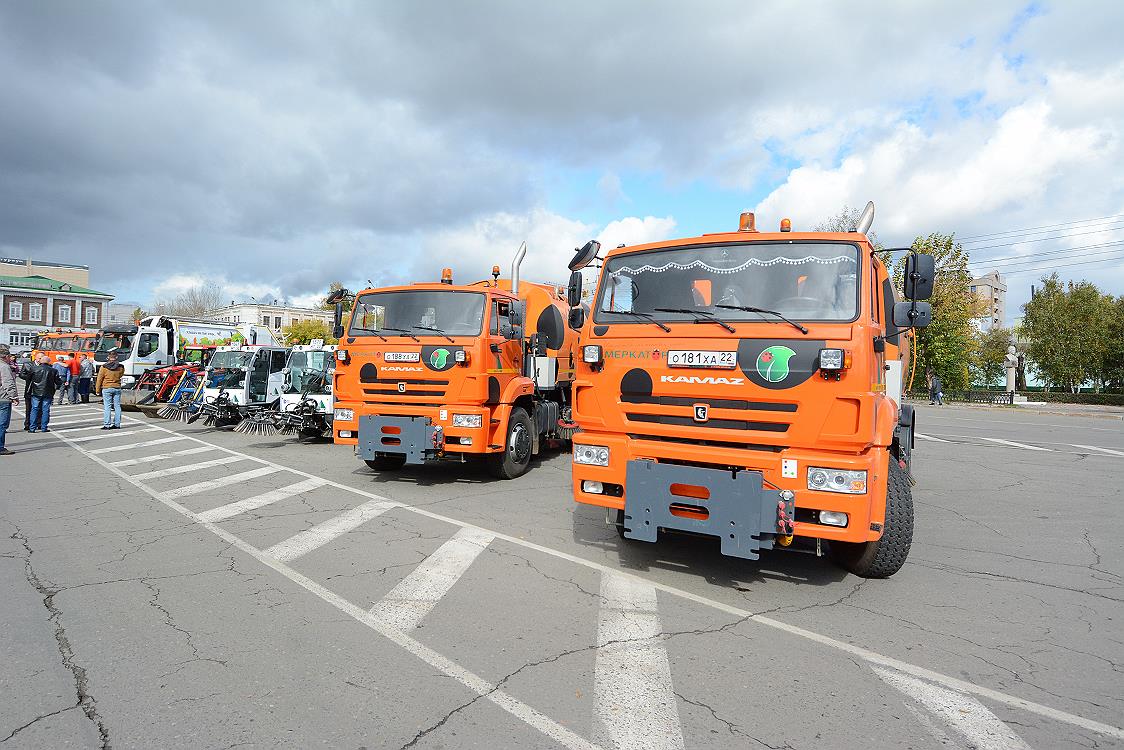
(368, 330)
(748, 308)
(710, 317)
(402, 332)
(645, 316)
(435, 330)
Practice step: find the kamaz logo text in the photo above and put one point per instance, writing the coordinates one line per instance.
(699, 380)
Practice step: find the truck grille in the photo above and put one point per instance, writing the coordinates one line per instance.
(415, 393)
(678, 411)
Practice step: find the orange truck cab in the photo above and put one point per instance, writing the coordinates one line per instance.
(748, 386)
(436, 371)
(66, 343)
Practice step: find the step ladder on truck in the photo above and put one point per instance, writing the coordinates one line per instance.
(747, 386)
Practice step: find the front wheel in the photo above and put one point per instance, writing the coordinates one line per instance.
(386, 463)
(883, 557)
(516, 456)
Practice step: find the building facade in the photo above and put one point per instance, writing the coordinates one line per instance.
(30, 305)
(67, 273)
(276, 317)
(993, 291)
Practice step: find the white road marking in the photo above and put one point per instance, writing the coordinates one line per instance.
(1017, 445)
(173, 470)
(229, 510)
(162, 456)
(142, 444)
(963, 713)
(1109, 451)
(872, 657)
(59, 423)
(930, 437)
(195, 489)
(321, 534)
(411, 600)
(470, 680)
(69, 430)
(636, 703)
(111, 434)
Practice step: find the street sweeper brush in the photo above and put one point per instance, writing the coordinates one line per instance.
(257, 422)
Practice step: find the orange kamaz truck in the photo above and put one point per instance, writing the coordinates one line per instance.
(439, 371)
(748, 386)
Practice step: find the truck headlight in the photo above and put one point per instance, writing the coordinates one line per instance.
(467, 420)
(345, 415)
(837, 480)
(831, 359)
(591, 354)
(592, 455)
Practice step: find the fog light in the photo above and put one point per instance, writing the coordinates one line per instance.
(345, 433)
(465, 441)
(593, 488)
(831, 359)
(591, 354)
(833, 518)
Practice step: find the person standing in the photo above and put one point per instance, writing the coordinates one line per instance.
(75, 368)
(8, 395)
(25, 375)
(85, 377)
(108, 386)
(938, 390)
(44, 380)
(64, 376)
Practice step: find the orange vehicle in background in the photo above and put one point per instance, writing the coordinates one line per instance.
(748, 386)
(438, 371)
(66, 343)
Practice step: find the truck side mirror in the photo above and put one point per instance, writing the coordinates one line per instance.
(574, 290)
(912, 314)
(585, 255)
(576, 318)
(920, 270)
(337, 320)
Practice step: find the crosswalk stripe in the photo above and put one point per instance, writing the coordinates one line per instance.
(319, 535)
(111, 434)
(59, 423)
(411, 600)
(1018, 445)
(173, 470)
(636, 702)
(965, 714)
(162, 456)
(69, 430)
(930, 438)
(195, 489)
(142, 444)
(1109, 451)
(229, 510)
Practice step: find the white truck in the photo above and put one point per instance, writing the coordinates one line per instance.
(241, 378)
(306, 405)
(158, 340)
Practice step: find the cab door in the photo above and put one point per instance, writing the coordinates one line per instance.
(504, 348)
(257, 384)
(277, 359)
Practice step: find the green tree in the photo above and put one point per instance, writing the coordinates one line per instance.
(988, 353)
(1112, 374)
(1069, 330)
(946, 345)
(304, 331)
(138, 313)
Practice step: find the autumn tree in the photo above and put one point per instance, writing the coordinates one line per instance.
(989, 351)
(192, 302)
(304, 331)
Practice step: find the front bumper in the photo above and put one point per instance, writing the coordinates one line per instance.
(735, 508)
(416, 438)
(866, 512)
(457, 441)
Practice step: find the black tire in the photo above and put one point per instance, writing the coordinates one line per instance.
(386, 463)
(884, 557)
(516, 457)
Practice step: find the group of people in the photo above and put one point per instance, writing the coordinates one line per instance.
(69, 376)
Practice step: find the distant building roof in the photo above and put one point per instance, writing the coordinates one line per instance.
(43, 263)
(43, 284)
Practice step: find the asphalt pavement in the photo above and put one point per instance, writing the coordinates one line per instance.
(168, 585)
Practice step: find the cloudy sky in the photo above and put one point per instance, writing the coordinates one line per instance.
(277, 146)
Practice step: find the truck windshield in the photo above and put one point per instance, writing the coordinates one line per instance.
(230, 360)
(115, 342)
(90, 343)
(227, 369)
(307, 370)
(803, 281)
(392, 313)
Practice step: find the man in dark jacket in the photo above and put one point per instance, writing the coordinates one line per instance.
(43, 382)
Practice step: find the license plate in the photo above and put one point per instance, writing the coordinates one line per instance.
(402, 357)
(700, 358)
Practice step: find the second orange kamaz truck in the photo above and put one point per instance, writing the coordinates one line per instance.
(748, 386)
(438, 371)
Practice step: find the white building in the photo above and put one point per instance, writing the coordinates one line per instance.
(993, 291)
(276, 317)
(30, 305)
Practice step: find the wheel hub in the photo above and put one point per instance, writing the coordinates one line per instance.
(519, 444)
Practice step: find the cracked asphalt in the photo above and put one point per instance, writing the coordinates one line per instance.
(128, 623)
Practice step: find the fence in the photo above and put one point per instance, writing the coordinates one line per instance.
(998, 398)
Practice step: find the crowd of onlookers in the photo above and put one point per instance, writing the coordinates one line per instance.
(69, 379)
